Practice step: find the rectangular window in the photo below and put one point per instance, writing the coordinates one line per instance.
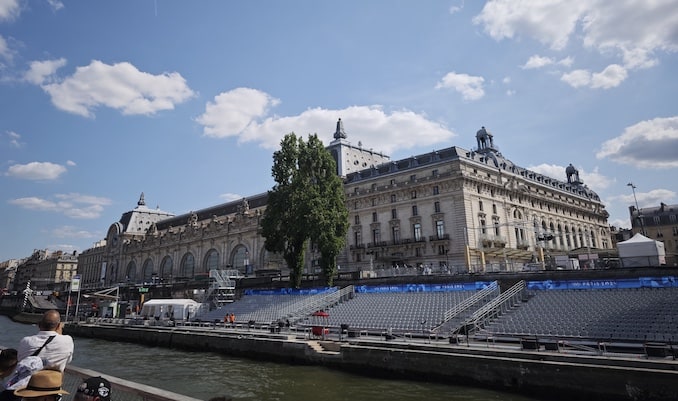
(416, 228)
(357, 219)
(374, 217)
(480, 205)
(394, 214)
(417, 252)
(440, 229)
(376, 236)
(413, 177)
(415, 211)
(434, 173)
(436, 207)
(436, 190)
(393, 198)
(395, 233)
(414, 194)
(358, 238)
(374, 201)
(441, 249)
(393, 182)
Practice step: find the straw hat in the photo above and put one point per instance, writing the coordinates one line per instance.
(43, 382)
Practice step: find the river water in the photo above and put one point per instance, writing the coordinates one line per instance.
(204, 375)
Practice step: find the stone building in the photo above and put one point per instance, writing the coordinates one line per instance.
(659, 223)
(452, 210)
(46, 271)
(468, 211)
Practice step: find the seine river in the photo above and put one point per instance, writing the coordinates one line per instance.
(205, 375)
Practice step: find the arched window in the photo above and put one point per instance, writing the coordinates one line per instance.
(166, 268)
(131, 272)
(188, 265)
(241, 258)
(112, 274)
(147, 270)
(211, 260)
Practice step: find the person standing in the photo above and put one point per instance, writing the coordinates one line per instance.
(55, 348)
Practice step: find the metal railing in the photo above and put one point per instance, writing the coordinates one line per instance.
(490, 290)
(497, 306)
(121, 389)
(302, 309)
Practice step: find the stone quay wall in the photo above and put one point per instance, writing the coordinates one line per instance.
(547, 375)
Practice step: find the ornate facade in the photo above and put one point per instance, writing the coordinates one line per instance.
(468, 211)
(452, 209)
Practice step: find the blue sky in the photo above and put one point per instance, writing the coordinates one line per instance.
(186, 101)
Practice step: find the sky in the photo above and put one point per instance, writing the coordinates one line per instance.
(186, 101)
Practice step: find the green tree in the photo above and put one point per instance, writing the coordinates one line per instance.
(307, 202)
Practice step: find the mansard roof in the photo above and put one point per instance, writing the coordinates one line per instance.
(490, 158)
(223, 209)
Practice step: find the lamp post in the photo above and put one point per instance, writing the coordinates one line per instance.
(640, 218)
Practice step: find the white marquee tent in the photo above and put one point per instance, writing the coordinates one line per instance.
(641, 251)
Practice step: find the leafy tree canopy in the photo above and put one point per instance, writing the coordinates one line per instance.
(306, 203)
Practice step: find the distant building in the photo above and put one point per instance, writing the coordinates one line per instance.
(46, 271)
(453, 209)
(659, 223)
(7, 273)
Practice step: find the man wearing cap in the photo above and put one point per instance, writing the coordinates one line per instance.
(94, 389)
(44, 385)
(55, 348)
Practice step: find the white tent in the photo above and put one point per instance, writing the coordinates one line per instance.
(177, 309)
(640, 251)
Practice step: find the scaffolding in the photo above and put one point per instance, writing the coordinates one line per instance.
(221, 290)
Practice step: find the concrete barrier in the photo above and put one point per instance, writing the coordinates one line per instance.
(534, 373)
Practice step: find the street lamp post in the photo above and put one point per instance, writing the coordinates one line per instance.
(640, 218)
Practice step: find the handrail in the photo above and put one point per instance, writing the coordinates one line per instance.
(121, 389)
(491, 307)
(470, 301)
(322, 302)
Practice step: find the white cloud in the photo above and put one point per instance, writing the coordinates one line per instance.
(647, 144)
(577, 78)
(72, 205)
(119, 86)
(42, 72)
(635, 31)
(14, 139)
(470, 87)
(550, 22)
(594, 180)
(456, 9)
(230, 197)
(651, 198)
(537, 62)
(71, 232)
(9, 10)
(55, 4)
(70, 163)
(232, 111)
(612, 76)
(36, 171)
(241, 113)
